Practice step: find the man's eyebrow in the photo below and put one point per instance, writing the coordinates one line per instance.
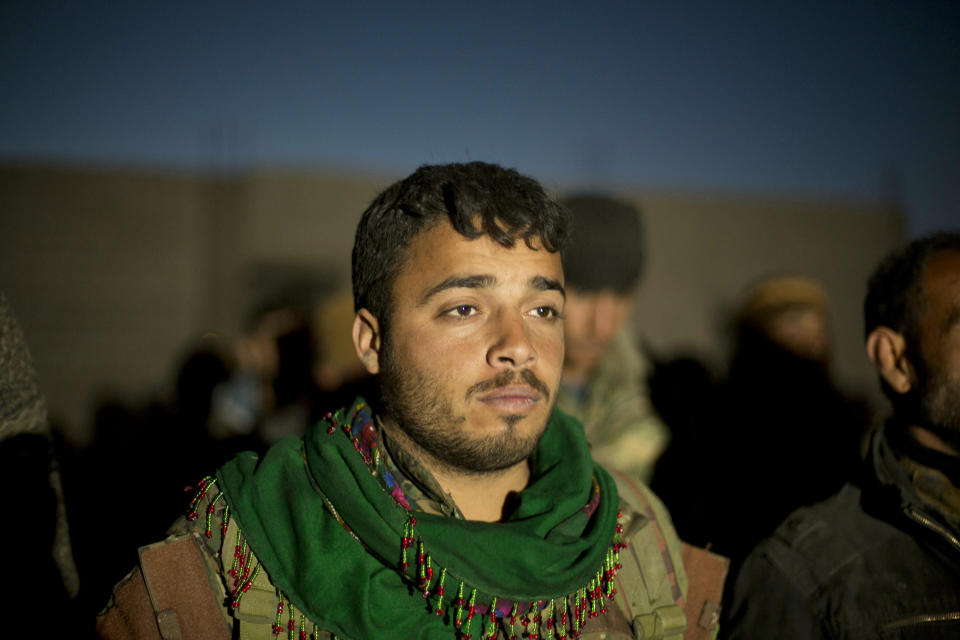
(546, 284)
(457, 282)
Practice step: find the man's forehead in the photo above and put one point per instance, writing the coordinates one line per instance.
(942, 273)
(941, 288)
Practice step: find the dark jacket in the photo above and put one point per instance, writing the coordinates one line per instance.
(873, 561)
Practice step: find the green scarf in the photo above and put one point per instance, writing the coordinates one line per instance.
(329, 535)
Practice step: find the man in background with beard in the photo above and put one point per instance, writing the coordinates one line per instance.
(882, 558)
(458, 503)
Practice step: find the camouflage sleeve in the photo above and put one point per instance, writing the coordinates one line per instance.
(624, 430)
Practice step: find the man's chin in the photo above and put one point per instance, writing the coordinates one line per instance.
(498, 423)
(502, 442)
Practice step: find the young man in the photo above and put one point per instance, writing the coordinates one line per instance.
(605, 372)
(457, 503)
(881, 559)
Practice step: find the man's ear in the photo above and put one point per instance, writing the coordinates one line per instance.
(366, 340)
(887, 349)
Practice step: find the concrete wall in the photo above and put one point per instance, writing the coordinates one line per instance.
(114, 273)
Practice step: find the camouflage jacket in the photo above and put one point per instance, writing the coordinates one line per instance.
(622, 426)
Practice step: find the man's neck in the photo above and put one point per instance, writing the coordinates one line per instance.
(483, 496)
(478, 496)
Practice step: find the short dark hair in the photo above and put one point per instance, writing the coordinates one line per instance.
(606, 243)
(894, 290)
(477, 198)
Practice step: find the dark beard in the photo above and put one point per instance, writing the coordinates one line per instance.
(939, 405)
(429, 421)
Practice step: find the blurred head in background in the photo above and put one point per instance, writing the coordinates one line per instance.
(791, 313)
(602, 264)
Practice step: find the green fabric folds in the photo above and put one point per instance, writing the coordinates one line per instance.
(346, 577)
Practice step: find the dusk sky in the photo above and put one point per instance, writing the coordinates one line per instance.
(857, 99)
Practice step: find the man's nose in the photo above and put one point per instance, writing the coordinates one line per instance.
(511, 346)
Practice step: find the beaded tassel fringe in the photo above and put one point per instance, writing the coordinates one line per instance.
(294, 623)
(544, 619)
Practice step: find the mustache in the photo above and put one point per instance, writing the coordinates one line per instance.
(506, 378)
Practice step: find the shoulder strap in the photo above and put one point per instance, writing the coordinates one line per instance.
(169, 597)
(129, 616)
(179, 586)
(706, 573)
(652, 580)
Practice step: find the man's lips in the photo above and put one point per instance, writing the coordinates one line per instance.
(512, 398)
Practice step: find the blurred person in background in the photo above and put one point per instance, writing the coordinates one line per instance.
(270, 390)
(38, 565)
(881, 558)
(779, 414)
(605, 369)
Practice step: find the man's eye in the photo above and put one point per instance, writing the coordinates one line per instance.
(546, 312)
(462, 311)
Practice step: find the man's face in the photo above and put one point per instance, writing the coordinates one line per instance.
(802, 331)
(592, 320)
(939, 332)
(471, 365)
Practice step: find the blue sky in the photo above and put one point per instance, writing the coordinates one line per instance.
(822, 98)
